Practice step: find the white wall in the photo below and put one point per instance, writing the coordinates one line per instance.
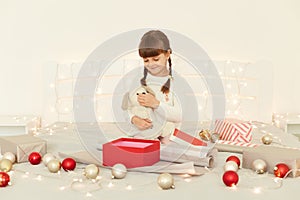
(35, 32)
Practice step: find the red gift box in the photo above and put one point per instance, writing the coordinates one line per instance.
(131, 152)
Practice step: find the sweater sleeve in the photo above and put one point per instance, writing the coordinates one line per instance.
(171, 113)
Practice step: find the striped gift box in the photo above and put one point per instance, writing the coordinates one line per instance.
(241, 144)
(234, 130)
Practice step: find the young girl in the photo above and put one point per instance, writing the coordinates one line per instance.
(153, 109)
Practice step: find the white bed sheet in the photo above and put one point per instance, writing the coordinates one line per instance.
(36, 182)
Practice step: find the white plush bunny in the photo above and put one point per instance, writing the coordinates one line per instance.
(130, 103)
(160, 126)
(136, 109)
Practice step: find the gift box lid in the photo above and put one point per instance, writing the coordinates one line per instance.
(136, 145)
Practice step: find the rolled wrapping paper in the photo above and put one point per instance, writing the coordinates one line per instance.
(201, 156)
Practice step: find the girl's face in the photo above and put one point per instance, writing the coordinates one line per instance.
(157, 65)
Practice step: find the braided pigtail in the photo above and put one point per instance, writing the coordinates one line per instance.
(166, 87)
(143, 80)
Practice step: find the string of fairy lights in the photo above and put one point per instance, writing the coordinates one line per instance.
(232, 73)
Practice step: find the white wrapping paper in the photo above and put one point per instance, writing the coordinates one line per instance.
(160, 167)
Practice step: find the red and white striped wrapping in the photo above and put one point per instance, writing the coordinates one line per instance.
(241, 144)
(233, 130)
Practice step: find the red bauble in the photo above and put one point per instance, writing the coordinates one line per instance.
(280, 170)
(230, 178)
(4, 179)
(234, 159)
(68, 164)
(35, 158)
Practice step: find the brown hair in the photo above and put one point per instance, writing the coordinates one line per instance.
(153, 43)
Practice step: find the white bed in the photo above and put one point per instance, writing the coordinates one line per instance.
(36, 182)
(60, 132)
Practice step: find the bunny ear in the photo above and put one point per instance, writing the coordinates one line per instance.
(125, 101)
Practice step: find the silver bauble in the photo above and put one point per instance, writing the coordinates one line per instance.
(118, 171)
(259, 166)
(47, 157)
(231, 166)
(10, 156)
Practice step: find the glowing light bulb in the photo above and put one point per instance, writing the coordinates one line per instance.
(110, 185)
(52, 109)
(257, 190)
(62, 188)
(88, 194)
(187, 180)
(129, 187)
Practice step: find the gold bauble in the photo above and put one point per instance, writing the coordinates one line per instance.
(91, 171)
(205, 135)
(165, 181)
(5, 165)
(54, 165)
(267, 139)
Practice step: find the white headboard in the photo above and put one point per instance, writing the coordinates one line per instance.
(247, 86)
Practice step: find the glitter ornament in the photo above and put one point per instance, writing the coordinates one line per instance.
(205, 135)
(267, 139)
(5, 165)
(118, 171)
(235, 159)
(47, 157)
(10, 156)
(68, 164)
(35, 158)
(281, 170)
(231, 166)
(230, 178)
(91, 171)
(259, 166)
(54, 165)
(165, 181)
(4, 179)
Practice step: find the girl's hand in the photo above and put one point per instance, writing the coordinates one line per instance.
(148, 100)
(141, 124)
